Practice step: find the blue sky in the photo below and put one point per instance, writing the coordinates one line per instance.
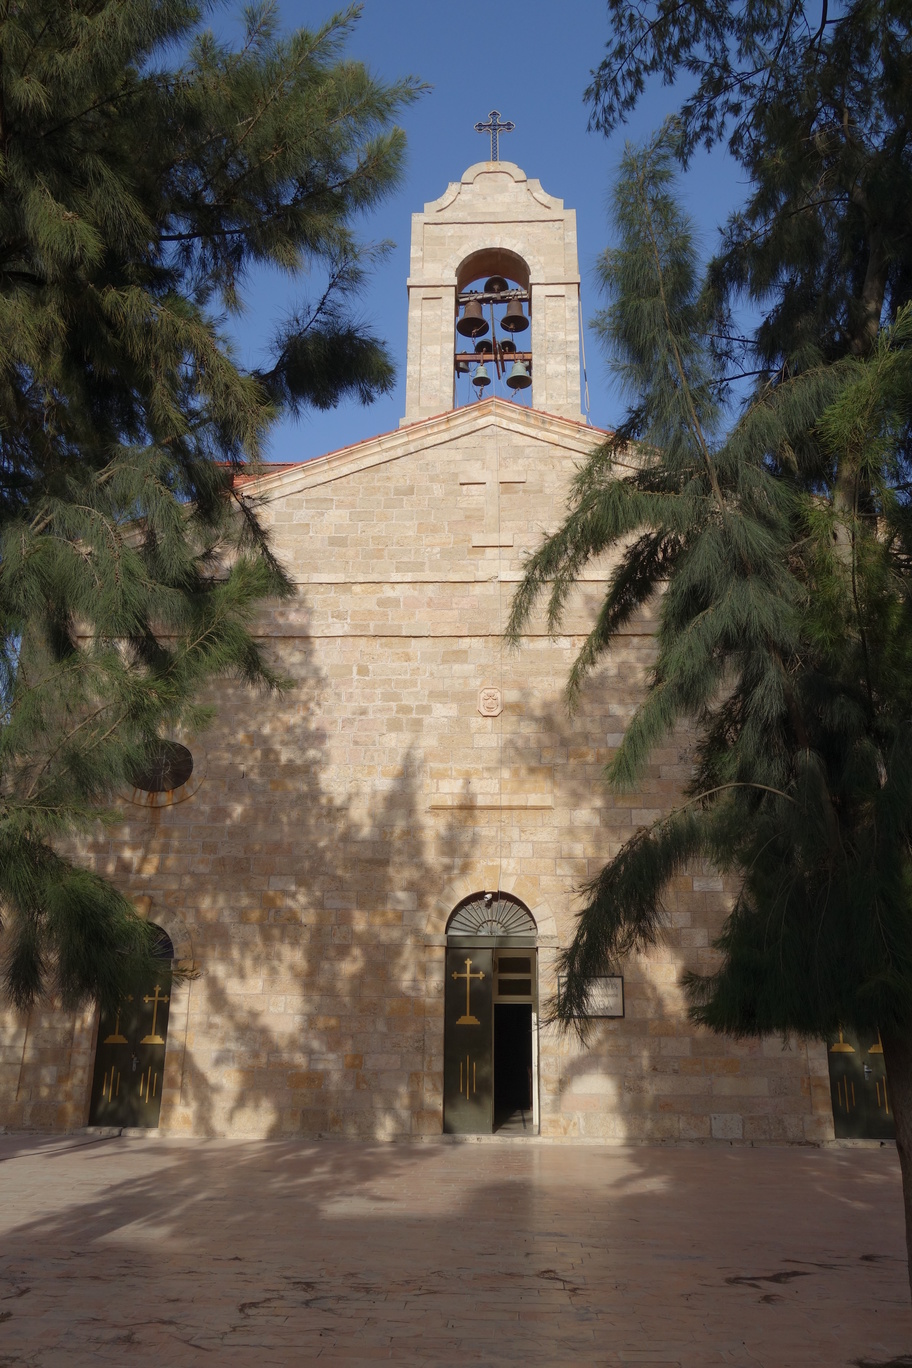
(532, 62)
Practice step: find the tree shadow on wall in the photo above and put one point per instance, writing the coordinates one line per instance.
(653, 1074)
(300, 870)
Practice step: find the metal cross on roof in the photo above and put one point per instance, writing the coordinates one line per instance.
(494, 126)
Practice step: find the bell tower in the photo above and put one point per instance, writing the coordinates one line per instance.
(493, 296)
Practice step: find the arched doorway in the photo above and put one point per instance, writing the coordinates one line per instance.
(490, 1076)
(130, 1053)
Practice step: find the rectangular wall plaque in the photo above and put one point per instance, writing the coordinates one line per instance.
(606, 996)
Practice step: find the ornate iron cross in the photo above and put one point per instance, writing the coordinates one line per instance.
(494, 127)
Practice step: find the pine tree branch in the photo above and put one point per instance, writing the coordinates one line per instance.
(682, 374)
(343, 116)
(818, 36)
(112, 100)
(773, 66)
(119, 401)
(65, 740)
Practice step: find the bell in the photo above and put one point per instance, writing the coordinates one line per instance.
(514, 320)
(481, 378)
(519, 378)
(484, 347)
(495, 285)
(507, 348)
(473, 322)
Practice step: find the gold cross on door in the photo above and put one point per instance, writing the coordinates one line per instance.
(468, 1019)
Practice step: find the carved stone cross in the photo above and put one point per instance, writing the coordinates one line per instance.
(479, 475)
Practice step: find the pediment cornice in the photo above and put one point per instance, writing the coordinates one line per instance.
(548, 428)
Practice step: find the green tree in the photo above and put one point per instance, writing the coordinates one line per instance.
(772, 529)
(814, 103)
(145, 169)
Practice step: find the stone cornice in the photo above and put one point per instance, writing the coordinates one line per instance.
(568, 433)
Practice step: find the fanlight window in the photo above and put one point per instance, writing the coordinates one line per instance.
(491, 914)
(162, 949)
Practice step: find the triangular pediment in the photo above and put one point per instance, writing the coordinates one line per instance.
(457, 425)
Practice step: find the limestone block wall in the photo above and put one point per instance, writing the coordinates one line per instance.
(45, 1067)
(312, 870)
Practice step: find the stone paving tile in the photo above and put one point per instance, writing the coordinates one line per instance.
(253, 1254)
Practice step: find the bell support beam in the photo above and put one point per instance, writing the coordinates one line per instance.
(488, 297)
(511, 356)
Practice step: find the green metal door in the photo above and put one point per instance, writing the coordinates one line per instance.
(130, 1058)
(859, 1089)
(468, 1050)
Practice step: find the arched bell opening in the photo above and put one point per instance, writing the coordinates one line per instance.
(130, 1050)
(492, 261)
(491, 1017)
(493, 334)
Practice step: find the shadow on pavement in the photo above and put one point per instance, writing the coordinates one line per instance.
(282, 1252)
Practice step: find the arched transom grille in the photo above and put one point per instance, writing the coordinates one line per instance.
(491, 914)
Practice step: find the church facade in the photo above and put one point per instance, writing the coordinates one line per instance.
(367, 880)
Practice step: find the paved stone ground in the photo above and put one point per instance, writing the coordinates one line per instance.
(127, 1251)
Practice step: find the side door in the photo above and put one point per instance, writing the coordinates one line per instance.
(113, 1080)
(859, 1088)
(468, 1041)
(129, 1059)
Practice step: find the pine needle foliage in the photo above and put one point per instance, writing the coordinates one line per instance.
(814, 103)
(784, 641)
(757, 497)
(145, 168)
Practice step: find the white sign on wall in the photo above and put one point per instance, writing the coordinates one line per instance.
(606, 996)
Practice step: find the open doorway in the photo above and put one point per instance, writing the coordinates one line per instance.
(514, 983)
(512, 1067)
(490, 1015)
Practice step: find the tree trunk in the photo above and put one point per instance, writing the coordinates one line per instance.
(867, 325)
(897, 1048)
